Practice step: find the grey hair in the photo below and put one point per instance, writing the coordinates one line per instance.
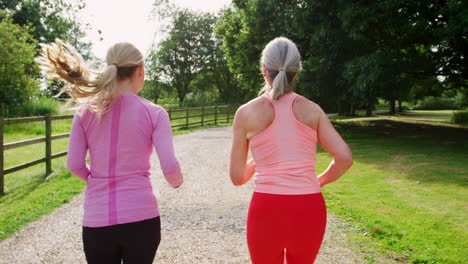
(282, 62)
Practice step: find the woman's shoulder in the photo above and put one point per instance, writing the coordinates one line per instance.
(255, 105)
(301, 103)
(148, 105)
(258, 112)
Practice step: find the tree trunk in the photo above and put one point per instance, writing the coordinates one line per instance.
(369, 110)
(392, 107)
(181, 96)
(156, 96)
(341, 110)
(181, 99)
(352, 110)
(399, 106)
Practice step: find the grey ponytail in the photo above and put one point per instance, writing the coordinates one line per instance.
(282, 61)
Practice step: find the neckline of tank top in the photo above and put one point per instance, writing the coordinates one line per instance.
(268, 95)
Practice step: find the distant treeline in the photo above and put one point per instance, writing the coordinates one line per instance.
(354, 53)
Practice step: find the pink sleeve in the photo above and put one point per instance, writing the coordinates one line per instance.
(162, 140)
(77, 148)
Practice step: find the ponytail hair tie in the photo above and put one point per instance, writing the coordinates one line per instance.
(282, 69)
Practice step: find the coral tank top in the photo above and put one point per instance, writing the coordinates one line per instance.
(284, 153)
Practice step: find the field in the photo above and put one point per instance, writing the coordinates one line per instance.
(405, 195)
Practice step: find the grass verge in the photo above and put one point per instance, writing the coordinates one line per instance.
(406, 192)
(29, 196)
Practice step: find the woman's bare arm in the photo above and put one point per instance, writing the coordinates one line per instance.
(240, 169)
(332, 142)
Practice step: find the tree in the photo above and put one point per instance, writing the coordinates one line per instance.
(154, 87)
(50, 19)
(248, 26)
(244, 29)
(17, 67)
(185, 52)
(47, 20)
(221, 76)
(354, 52)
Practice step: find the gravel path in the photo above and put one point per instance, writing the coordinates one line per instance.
(203, 222)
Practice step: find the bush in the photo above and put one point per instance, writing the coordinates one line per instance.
(17, 67)
(439, 103)
(460, 117)
(36, 107)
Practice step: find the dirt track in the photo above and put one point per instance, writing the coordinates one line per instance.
(203, 222)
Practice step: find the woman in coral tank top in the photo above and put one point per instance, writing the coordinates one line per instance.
(287, 214)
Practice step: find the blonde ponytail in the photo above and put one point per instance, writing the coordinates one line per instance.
(96, 90)
(282, 61)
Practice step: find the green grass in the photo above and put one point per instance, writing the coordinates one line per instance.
(405, 195)
(29, 195)
(437, 116)
(443, 116)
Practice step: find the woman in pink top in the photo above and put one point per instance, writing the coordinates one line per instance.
(119, 129)
(287, 214)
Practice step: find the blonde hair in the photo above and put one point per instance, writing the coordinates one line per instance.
(282, 62)
(95, 89)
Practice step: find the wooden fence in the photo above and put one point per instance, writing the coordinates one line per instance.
(212, 112)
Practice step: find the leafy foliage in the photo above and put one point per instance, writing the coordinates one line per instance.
(39, 21)
(17, 67)
(438, 103)
(37, 106)
(50, 19)
(189, 60)
(354, 52)
(460, 117)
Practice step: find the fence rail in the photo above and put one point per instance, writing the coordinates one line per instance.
(48, 138)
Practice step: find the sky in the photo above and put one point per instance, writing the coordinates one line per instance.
(124, 20)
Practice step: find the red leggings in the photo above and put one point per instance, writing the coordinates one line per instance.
(285, 227)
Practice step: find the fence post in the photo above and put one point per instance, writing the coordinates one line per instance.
(216, 114)
(169, 112)
(202, 115)
(2, 189)
(48, 144)
(186, 117)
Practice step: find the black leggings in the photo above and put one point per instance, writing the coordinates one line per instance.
(135, 242)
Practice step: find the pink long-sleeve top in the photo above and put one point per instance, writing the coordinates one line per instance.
(118, 187)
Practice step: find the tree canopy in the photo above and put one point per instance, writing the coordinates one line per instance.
(32, 22)
(17, 67)
(353, 52)
(189, 59)
(50, 19)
